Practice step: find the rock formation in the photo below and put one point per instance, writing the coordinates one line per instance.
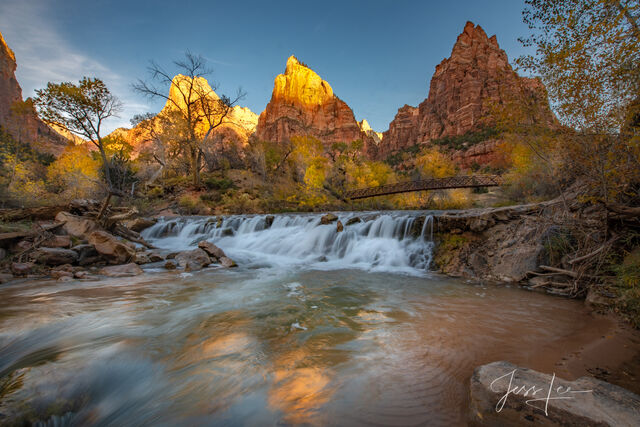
(238, 126)
(463, 91)
(366, 128)
(304, 104)
(25, 127)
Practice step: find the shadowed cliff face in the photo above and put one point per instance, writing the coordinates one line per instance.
(304, 104)
(463, 89)
(26, 128)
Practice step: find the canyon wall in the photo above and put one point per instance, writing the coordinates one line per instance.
(24, 126)
(466, 91)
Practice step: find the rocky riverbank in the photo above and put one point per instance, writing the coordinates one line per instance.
(66, 246)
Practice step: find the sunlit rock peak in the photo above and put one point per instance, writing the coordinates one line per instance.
(6, 50)
(366, 128)
(182, 90)
(302, 104)
(301, 84)
(238, 125)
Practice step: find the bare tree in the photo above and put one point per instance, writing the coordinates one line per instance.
(198, 106)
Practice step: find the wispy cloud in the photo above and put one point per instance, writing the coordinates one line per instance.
(43, 55)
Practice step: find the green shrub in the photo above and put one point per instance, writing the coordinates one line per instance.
(155, 192)
(628, 284)
(213, 183)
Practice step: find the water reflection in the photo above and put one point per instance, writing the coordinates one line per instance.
(262, 347)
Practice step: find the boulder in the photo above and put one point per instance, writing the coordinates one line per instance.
(211, 249)
(227, 262)
(155, 257)
(339, 226)
(353, 220)
(193, 260)
(57, 274)
(328, 219)
(57, 242)
(139, 224)
(21, 268)
(76, 226)
(583, 402)
(4, 277)
(268, 221)
(142, 258)
(54, 256)
(123, 270)
(170, 265)
(110, 248)
(596, 300)
(87, 254)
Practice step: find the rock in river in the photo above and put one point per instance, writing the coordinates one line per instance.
(111, 249)
(55, 256)
(124, 270)
(211, 249)
(193, 260)
(583, 402)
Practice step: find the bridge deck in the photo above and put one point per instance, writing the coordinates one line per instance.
(468, 181)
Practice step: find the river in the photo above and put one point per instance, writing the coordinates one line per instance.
(314, 327)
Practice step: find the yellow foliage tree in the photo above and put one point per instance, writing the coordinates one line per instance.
(432, 163)
(75, 174)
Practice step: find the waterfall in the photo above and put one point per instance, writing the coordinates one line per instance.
(395, 241)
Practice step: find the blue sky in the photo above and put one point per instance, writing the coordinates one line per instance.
(377, 55)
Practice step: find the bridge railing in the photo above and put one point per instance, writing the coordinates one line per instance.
(462, 181)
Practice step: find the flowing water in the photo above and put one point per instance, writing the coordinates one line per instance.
(315, 327)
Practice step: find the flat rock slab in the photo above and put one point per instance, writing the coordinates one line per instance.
(503, 394)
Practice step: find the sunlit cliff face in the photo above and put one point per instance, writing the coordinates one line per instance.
(301, 85)
(182, 91)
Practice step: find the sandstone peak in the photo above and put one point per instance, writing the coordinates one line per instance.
(364, 125)
(376, 137)
(6, 49)
(302, 103)
(299, 83)
(462, 90)
(180, 86)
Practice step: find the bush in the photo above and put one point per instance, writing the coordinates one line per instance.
(213, 196)
(213, 183)
(155, 192)
(628, 281)
(189, 204)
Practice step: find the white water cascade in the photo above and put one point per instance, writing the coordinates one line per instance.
(393, 242)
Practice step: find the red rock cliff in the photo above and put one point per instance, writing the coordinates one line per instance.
(304, 104)
(462, 92)
(27, 128)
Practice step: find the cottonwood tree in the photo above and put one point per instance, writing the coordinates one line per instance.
(192, 101)
(588, 55)
(82, 110)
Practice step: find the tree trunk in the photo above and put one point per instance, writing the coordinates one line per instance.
(105, 165)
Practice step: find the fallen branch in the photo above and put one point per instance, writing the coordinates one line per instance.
(560, 270)
(132, 236)
(594, 253)
(9, 237)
